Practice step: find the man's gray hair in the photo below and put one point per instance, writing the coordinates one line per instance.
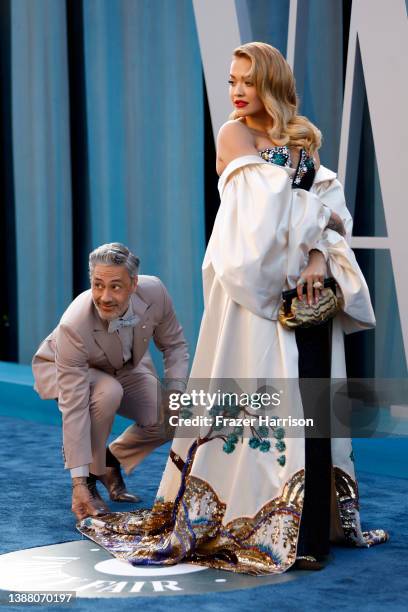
(114, 254)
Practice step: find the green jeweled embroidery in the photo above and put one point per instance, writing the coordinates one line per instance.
(215, 411)
(228, 447)
(185, 413)
(279, 433)
(279, 159)
(232, 434)
(254, 442)
(232, 437)
(276, 155)
(232, 411)
(263, 431)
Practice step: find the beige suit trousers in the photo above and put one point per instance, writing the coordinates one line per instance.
(134, 393)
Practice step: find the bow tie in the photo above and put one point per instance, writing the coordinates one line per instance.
(117, 324)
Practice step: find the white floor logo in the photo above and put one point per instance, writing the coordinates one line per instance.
(90, 571)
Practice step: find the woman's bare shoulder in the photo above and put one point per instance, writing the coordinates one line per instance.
(232, 131)
(234, 140)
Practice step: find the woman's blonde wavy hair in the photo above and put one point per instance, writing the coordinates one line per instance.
(276, 88)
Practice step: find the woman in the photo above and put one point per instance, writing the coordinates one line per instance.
(239, 499)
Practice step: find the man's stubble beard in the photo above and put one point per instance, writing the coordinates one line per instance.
(115, 314)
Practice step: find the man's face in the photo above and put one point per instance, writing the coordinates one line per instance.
(111, 290)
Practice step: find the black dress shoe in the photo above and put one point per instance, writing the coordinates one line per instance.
(116, 487)
(308, 563)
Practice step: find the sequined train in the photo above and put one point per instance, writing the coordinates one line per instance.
(192, 528)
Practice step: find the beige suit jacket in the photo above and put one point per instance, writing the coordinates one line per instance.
(81, 341)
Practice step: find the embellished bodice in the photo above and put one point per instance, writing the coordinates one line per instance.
(305, 171)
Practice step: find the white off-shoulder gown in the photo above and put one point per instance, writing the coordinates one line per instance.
(239, 508)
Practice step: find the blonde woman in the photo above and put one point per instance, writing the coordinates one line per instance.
(259, 499)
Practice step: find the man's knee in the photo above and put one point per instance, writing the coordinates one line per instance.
(107, 394)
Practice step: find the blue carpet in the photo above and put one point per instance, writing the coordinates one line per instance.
(35, 511)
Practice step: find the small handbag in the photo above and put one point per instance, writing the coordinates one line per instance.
(296, 313)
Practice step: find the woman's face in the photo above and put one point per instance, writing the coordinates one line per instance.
(242, 90)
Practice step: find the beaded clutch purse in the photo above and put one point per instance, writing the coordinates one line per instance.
(296, 313)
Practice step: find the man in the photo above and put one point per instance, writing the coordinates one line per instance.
(96, 363)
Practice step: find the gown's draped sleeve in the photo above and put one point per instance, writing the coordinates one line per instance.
(357, 311)
(264, 231)
(263, 228)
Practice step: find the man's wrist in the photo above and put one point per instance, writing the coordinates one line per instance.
(81, 470)
(79, 481)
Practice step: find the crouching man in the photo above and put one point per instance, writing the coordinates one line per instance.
(96, 364)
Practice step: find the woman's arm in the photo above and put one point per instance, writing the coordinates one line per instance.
(262, 233)
(234, 140)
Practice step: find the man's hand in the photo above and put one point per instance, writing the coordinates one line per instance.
(83, 503)
(314, 272)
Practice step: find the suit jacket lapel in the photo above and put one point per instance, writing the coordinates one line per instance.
(139, 310)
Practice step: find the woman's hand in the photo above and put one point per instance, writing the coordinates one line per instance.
(314, 272)
(335, 223)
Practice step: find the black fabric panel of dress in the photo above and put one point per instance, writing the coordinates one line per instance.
(314, 348)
